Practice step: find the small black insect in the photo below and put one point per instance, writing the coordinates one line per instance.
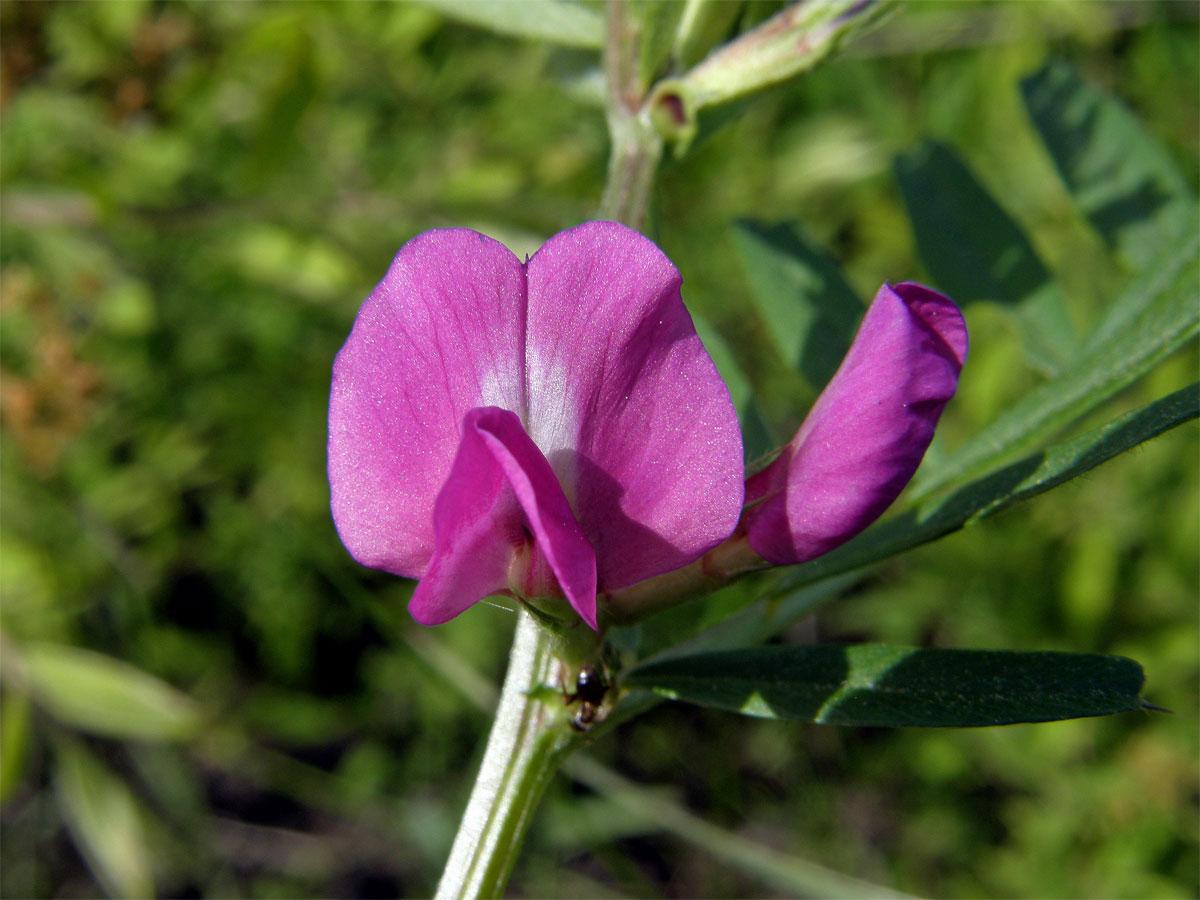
(590, 689)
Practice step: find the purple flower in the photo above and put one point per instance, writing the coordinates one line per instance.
(555, 430)
(866, 434)
(549, 429)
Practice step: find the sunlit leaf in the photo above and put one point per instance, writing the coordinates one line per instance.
(895, 686)
(702, 24)
(1153, 317)
(105, 696)
(1011, 484)
(1119, 175)
(975, 251)
(15, 735)
(104, 820)
(558, 21)
(809, 309)
(658, 23)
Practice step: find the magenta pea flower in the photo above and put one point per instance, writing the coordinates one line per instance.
(548, 429)
(865, 436)
(555, 429)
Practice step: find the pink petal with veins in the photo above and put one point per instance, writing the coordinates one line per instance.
(441, 334)
(590, 351)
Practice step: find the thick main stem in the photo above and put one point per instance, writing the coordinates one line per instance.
(636, 151)
(636, 144)
(528, 742)
(529, 738)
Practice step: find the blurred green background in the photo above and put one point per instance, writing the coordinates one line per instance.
(196, 198)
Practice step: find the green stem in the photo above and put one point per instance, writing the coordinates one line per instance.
(636, 144)
(530, 739)
(528, 743)
(636, 151)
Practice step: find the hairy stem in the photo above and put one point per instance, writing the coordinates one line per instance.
(530, 738)
(528, 743)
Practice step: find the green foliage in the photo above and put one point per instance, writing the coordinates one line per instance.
(996, 491)
(105, 696)
(872, 684)
(809, 309)
(974, 251)
(1120, 176)
(104, 819)
(1157, 315)
(195, 199)
(560, 21)
(14, 743)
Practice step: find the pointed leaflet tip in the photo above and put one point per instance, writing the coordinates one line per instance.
(867, 432)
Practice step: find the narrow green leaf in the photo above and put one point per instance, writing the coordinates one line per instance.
(988, 495)
(766, 610)
(701, 26)
(558, 21)
(658, 23)
(787, 875)
(1155, 316)
(15, 735)
(1119, 175)
(105, 696)
(975, 251)
(1144, 290)
(895, 686)
(104, 820)
(810, 311)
